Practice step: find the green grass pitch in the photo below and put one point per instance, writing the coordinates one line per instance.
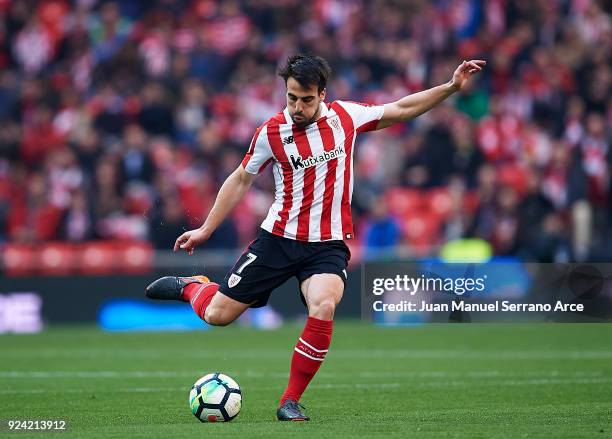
(472, 381)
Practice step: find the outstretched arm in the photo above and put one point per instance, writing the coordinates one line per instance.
(231, 192)
(416, 104)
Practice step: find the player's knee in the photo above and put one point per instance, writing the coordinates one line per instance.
(216, 317)
(324, 309)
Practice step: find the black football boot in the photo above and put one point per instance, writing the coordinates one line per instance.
(291, 411)
(171, 287)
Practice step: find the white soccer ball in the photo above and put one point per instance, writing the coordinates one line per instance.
(215, 398)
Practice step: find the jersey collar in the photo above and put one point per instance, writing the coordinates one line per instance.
(322, 114)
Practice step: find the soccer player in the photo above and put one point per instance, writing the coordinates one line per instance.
(310, 146)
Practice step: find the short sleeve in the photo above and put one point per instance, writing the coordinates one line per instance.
(259, 154)
(365, 116)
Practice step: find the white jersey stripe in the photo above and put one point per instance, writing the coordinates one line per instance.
(277, 205)
(278, 213)
(259, 152)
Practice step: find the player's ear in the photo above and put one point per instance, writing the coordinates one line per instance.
(322, 94)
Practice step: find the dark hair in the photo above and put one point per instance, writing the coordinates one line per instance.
(308, 70)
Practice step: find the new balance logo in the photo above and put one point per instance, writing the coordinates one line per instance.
(300, 163)
(288, 140)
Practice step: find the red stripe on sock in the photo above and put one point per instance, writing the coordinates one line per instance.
(309, 351)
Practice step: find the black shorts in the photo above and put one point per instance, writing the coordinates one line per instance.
(270, 260)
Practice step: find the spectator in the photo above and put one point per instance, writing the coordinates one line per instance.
(136, 164)
(167, 223)
(77, 224)
(382, 232)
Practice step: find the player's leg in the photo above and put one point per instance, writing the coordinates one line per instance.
(212, 306)
(223, 310)
(322, 292)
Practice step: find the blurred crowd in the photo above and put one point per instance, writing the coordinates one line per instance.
(120, 120)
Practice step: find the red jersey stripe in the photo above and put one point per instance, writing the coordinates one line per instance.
(303, 146)
(330, 177)
(368, 126)
(349, 134)
(266, 163)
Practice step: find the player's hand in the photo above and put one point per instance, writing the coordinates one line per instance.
(189, 240)
(465, 71)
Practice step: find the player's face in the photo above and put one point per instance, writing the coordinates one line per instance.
(303, 103)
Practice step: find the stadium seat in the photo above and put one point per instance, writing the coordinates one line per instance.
(57, 258)
(421, 230)
(402, 201)
(19, 259)
(98, 258)
(135, 257)
(439, 202)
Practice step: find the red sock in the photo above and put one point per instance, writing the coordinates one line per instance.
(200, 295)
(308, 355)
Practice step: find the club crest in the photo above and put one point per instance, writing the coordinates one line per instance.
(233, 280)
(335, 123)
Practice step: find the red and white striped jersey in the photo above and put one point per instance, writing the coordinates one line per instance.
(313, 170)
